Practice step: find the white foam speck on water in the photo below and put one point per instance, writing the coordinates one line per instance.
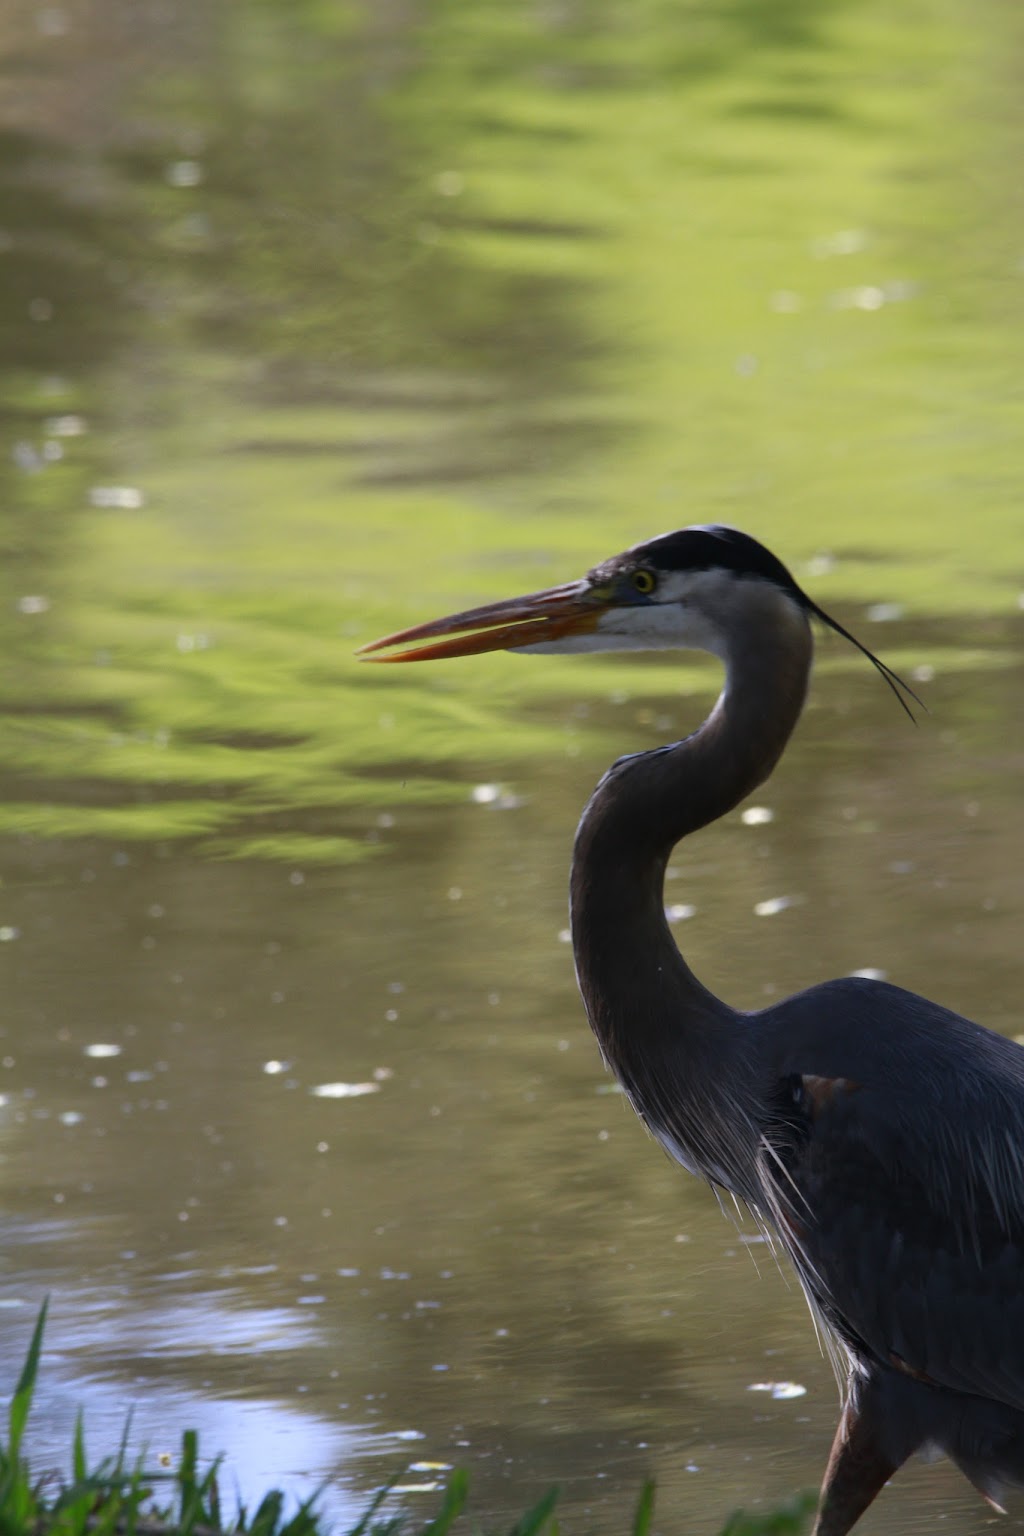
(781, 1391)
(757, 816)
(65, 426)
(843, 242)
(183, 173)
(343, 1090)
(124, 498)
(498, 796)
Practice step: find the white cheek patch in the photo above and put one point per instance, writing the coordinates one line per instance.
(657, 626)
(691, 610)
(661, 627)
(665, 624)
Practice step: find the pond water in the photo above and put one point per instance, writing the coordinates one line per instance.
(321, 320)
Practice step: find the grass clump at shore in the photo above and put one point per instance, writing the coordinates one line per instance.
(122, 1498)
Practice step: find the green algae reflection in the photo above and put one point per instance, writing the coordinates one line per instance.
(366, 317)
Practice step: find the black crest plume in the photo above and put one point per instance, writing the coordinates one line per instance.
(717, 547)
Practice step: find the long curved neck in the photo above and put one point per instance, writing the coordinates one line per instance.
(653, 1018)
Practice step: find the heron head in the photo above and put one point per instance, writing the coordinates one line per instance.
(706, 588)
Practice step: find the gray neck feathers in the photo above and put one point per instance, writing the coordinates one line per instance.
(658, 1027)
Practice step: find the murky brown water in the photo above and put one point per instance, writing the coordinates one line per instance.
(320, 322)
(485, 1253)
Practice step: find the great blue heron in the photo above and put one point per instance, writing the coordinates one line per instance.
(880, 1136)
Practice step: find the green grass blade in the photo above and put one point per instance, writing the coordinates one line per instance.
(451, 1509)
(186, 1479)
(21, 1402)
(268, 1516)
(396, 1525)
(644, 1510)
(78, 1460)
(305, 1521)
(536, 1518)
(788, 1519)
(377, 1501)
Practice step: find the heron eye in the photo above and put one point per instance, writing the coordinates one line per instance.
(644, 582)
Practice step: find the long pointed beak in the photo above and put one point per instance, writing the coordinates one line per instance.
(518, 621)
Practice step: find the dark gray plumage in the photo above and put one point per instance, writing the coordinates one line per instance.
(880, 1136)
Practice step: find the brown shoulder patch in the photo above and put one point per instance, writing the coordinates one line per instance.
(909, 1370)
(820, 1092)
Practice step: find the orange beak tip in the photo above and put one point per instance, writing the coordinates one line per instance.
(507, 626)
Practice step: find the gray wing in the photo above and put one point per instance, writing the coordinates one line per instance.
(896, 1177)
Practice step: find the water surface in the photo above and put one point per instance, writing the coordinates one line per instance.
(324, 320)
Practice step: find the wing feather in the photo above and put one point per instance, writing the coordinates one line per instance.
(910, 1228)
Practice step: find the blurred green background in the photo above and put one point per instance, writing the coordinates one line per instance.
(320, 318)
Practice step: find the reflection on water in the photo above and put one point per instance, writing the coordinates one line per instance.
(487, 1252)
(115, 1369)
(325, 319)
